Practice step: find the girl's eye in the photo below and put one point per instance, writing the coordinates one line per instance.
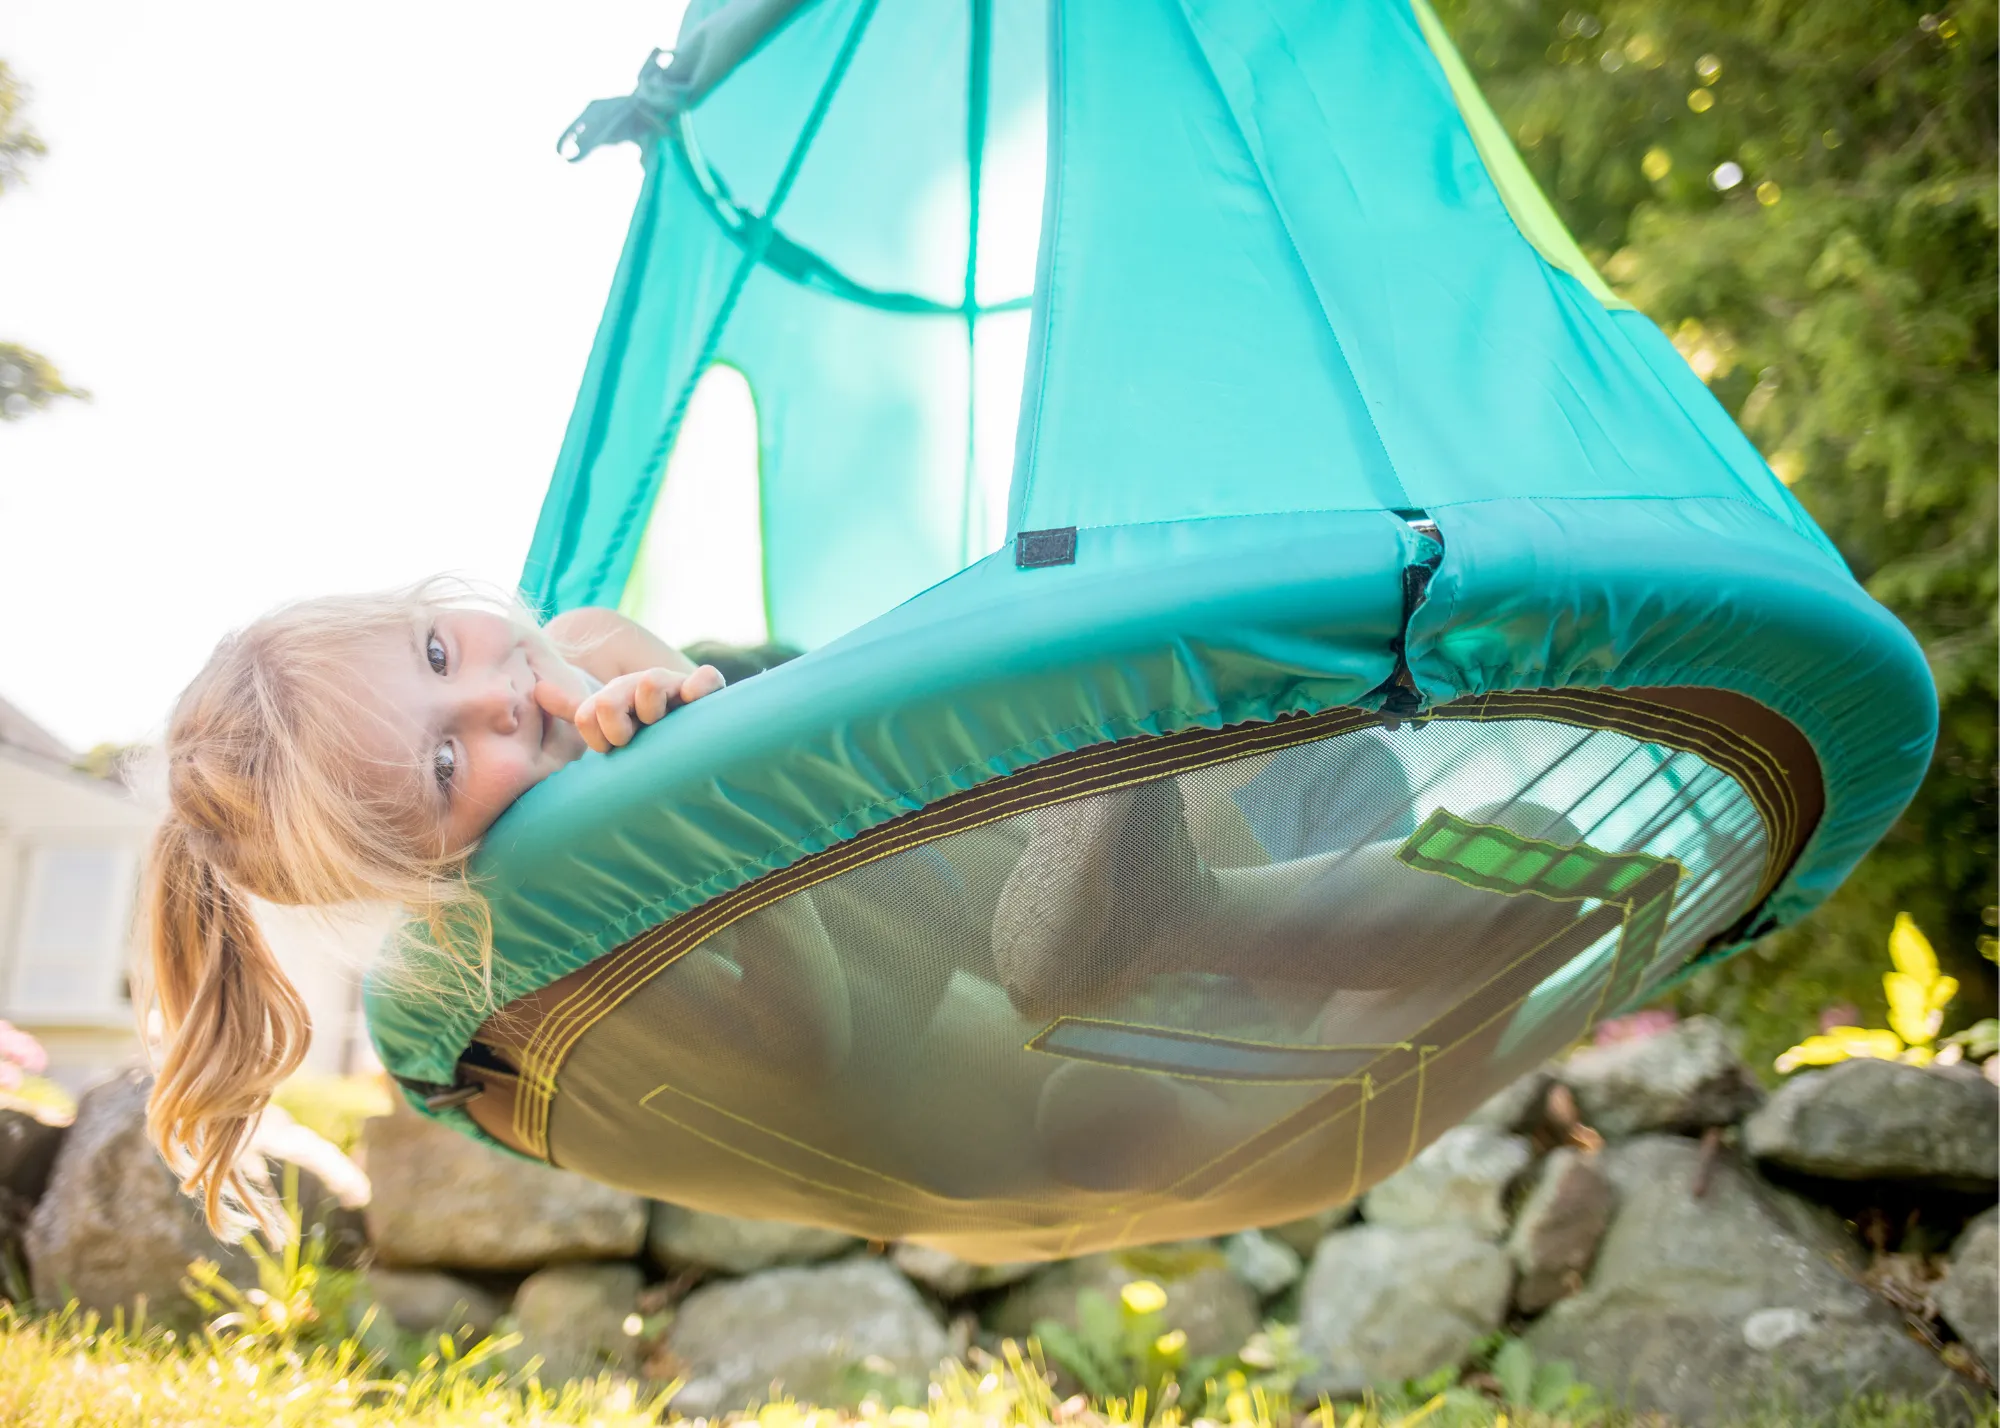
(444, 764)
(434, 652)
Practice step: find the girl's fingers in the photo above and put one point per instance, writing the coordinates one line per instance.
(615, 719)
(653, 695)
(556, 700)
(585, 716)
(705, 680)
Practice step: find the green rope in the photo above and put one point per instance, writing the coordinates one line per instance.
(977, 82)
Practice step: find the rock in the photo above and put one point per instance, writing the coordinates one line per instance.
(444, 1201)
(1515, 1109)
(113, 1228)
(423, 1301)
(1461, 1178)
(1969, 1296)
(1217, 1311)
(1382, 1303)
(818, 1333)
(28, 1146)
(1303, 1235)
(949, 1277)
(1712, 1309)
(1556, 1232)
(1878, 1120)
(1685, 1079)
(678, 1237)
(577, 1318)
(1267, 1264)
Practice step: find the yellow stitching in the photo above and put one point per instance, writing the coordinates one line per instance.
(1203, 1039)
(971, 1214)
(1417, 1116)
(1532, 952)
(727, 1114)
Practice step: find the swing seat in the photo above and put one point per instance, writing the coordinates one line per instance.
(1391, 661)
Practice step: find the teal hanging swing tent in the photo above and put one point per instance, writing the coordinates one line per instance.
(1389, 659)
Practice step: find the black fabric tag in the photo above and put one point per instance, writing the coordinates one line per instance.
(1054, 547)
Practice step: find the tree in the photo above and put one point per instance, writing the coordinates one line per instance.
(28, 380)
(1802, 194)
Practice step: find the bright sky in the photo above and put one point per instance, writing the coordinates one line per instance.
(333, 291)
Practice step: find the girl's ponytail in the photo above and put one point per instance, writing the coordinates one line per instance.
(233, 1025)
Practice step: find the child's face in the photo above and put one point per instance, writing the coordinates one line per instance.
(459, 731)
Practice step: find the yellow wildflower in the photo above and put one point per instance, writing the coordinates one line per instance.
(1142, 1296)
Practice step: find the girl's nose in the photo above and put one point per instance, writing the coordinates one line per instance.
(498, 703)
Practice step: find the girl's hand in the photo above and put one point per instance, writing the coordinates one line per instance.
(611, 717)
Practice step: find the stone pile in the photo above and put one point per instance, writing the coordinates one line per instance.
(1640, 1211)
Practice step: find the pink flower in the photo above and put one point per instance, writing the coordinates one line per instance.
(1634, 1026)
(19, 1052)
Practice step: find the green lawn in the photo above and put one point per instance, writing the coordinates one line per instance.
(69, 1371)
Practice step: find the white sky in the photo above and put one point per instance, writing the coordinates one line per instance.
(333, 291)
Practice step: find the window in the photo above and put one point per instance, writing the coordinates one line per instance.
(70, 955)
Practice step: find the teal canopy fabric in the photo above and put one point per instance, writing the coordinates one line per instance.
(1321, 415)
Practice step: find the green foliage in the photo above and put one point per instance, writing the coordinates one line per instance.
(299, 1299)
(1839, 299)
(1546, 1387)
(333, 1106)
(28, 380)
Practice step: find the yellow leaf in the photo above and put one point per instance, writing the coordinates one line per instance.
(1911, 951)
(1910, 1011)
(1942, 991)
(1918, 1056)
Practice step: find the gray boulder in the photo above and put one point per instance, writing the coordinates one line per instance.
(578, 1320)
(113, 1228)
(424, 1301)
(1879, 1120)
(949, 1277)
(1556, 1232)
(1684, 1079)
(1517, 1108)
(1461, 1178)
(1712, 1309)
(1215, 1309)
(444, 1201)
(1264, 1262)
(1969, 1296)
(1382, 1304)
(821, 1334)
(28, 1146)
(677, 1237)
(1304, 1234)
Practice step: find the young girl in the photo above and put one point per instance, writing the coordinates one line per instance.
(351, 749)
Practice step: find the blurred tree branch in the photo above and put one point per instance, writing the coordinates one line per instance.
(28, 380)
(1802, 194)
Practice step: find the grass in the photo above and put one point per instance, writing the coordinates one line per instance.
(301, 1349)
(71, 1370)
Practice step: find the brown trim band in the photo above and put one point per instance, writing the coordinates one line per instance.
(1757, 748)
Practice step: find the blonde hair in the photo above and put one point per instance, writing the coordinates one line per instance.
(268, 799)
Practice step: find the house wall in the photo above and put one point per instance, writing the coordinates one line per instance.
(66, 969)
